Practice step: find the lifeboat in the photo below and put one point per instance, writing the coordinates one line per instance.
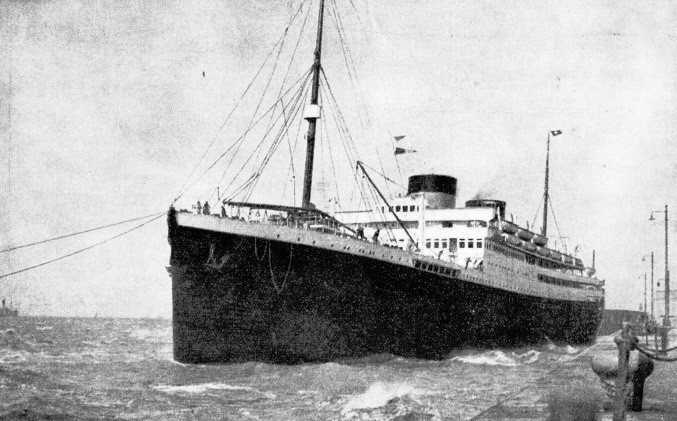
(578, 263)
(555, 255)
(524, 234)
(539, 240)
(512, 240)
(509, 227)
(568, 259)
(529, 246)
(590, 271)
(542, 251)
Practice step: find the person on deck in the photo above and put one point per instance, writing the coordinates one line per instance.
(375, 236)
(205, 209)
(223, 211)
(199, 207)
(360, 232)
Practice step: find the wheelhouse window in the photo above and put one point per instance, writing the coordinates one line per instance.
(452, 245)
(427, 244)
(461, 243)
(444, 243)
(470, 243)
(397, 208)
(479, 243)
(436, 243)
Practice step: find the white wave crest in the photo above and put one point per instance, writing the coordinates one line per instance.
(13, 357)
(571, 350)
(201, 388)
(44, 328)
(377, 395)
(500, 358)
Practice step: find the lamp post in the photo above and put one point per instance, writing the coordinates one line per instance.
(666, 318)
(652, 299)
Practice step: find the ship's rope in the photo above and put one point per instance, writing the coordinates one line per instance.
(79, 232)
(81, 250)
(272, 274)
(256, 251)
(653, 353)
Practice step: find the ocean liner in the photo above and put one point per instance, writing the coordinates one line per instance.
(413, 276)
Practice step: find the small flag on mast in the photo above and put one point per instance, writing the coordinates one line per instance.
(398, 138)
(400, 151)
(556, 132)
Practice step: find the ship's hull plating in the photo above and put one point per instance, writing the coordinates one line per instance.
(239, 298)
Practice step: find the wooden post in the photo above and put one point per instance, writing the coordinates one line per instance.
(623, 344)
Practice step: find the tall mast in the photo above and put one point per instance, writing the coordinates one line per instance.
(314, 113)
(544, 231)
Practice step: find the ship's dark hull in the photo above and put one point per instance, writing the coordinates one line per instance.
(239, 298)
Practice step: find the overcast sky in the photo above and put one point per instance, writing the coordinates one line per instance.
(105, 110)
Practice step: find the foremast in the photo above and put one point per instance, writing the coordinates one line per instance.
(313, 113)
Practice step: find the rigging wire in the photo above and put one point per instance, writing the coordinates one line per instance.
(337, 199)
(552, 209)
(300, 90)
(384, 176)
(291, 151)
(533, 221)
(275, 46)
(79, 232)
(295, 105)
(359, 93)
(241, 138)
(367, 195)
(81, 250)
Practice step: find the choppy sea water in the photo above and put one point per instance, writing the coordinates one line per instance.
(123, 369)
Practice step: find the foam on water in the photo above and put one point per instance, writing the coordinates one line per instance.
(570, 349)
(495, 357)
(377, 395)
(201, 388)
(13, 357)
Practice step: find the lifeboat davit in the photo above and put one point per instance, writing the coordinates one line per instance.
(525, 235)
(539, 240)
(509, 227)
